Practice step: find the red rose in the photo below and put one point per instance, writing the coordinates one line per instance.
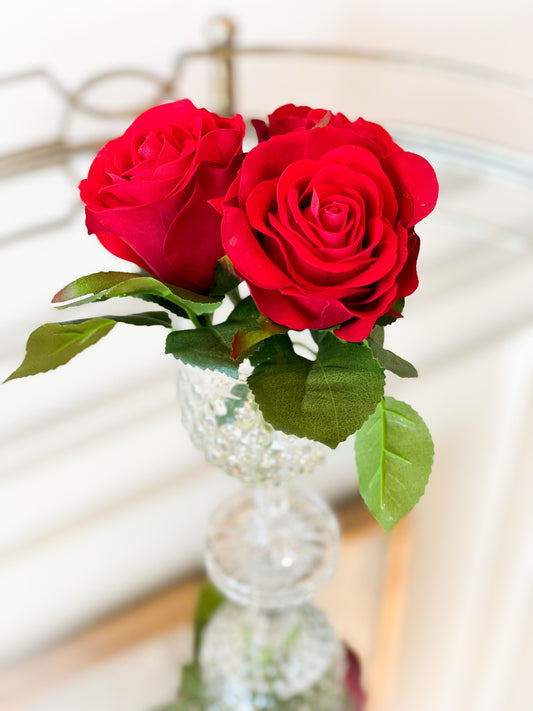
(146, 193)
(290, 118)
(320, 225)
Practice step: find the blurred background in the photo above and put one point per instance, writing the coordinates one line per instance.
(103, 501)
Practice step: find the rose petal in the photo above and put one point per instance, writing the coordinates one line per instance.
(355, 330)
(268, 160)
(415, 184)
(261, 130)
(132, 225)
(130, 194)
(245, 252)
(117, 247)
(362, 162)
(297, 311)
(408, 278)
(258, 205)
(219, 147)
(374, 137)
(280, 308)
(195, 265)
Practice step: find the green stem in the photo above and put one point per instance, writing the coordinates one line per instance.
(194, 318)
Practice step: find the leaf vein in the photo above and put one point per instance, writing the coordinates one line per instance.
(376, 474)
(372, 426)
(399, 482)
(398, 414)
(337, 424)
(396, 455)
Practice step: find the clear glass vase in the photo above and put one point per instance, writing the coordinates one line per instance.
(269, 548)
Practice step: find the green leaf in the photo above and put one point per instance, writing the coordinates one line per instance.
(146, 318)
(377, 335)
(202, 347)
(244, 312)
(209, 600)
(249, 327)
(394, 314)
(191, 696)
(245, 339)
(394, 454)
(213, 346)
(106, 285)
(318, 336)
(388, 359)
(225, 278)
(54, 344)
(392, 362)
(91, 284)
(327, 399)
(150, 298)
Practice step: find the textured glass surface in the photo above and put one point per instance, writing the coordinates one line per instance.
(271, 547)
(253, 659)
(268, 548)
(225, 423)
(267, 545)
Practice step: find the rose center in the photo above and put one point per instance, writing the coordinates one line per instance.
(333, 217)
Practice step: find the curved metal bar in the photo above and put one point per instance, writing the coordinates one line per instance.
(43, 156)
(77, 100)
(36, 74)
(454, 67)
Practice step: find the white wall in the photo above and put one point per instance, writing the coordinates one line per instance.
(76, 39)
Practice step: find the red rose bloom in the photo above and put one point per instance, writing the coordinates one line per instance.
(147, 192)
(320, 224)
(290, 118)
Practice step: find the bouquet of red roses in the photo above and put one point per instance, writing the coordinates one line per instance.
(318, 220)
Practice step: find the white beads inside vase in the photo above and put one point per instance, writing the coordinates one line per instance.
(224, 421)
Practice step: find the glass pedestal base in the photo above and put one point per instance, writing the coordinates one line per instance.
(255, 659)
(271, 547)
